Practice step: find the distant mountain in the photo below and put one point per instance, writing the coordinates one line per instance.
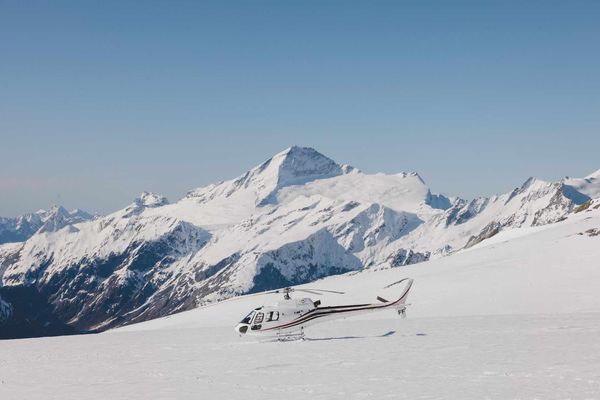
(297, 217)
(21, 228)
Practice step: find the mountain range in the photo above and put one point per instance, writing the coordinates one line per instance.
(297, 217)
(24, 226)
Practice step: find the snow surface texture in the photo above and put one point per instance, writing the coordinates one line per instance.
(513, 317)
(297, 217)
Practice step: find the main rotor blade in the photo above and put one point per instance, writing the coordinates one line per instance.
(323, 290)
(395, 283)
(308, 291)
(241, 297)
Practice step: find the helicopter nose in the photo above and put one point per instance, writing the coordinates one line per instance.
(241, 328)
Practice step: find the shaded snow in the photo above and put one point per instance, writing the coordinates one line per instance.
(590, 185)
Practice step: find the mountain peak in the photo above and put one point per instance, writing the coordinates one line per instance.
(293, 166)
(528, 182)
(149, 199)
(57, 210)
(594, 175)
(58, 217)
(295, 149)
(303, 162)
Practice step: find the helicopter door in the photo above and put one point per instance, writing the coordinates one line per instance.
(258, 319)
(272, 316)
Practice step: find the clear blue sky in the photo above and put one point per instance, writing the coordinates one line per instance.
(100, 100)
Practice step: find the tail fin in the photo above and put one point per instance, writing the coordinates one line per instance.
(401, 302)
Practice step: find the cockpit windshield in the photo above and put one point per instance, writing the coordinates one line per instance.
(248, 318)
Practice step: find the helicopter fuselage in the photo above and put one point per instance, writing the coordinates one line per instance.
(291, 316)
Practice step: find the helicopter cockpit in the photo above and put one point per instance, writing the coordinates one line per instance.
(270, 317)
(253, 317)
(248, 318)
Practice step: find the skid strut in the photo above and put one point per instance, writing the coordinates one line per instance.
(288, 337)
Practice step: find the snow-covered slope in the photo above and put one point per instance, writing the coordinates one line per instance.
(515, 316)
(551, 269)
(295, 218)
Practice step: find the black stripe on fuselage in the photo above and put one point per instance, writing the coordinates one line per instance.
(325, 311)
(348, 306)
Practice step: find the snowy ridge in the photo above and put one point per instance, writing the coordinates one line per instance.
(297, 217)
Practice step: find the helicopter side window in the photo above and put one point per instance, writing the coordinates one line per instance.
(259, 318)
(272, 316)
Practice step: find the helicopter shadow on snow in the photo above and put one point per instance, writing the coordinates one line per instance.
(320, 339)
(387, 334)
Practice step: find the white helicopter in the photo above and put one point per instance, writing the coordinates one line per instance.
(287, 319)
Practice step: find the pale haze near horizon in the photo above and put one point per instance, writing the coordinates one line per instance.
(99, 102)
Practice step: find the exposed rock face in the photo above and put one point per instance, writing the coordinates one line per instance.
(591, 232)
(490, 230)
(463, 212)
(439, 201)
(25, 313)
(407, 257)
(5, 311)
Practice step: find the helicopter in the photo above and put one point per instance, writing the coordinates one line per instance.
(287, 319)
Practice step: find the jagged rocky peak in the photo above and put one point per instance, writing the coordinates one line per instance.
(439, 201)
(58, 217)
(293, 166)
(57, 211)
(531, 184)
(150, 200)
(412, 174)
(303, 162)
(532, 187)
